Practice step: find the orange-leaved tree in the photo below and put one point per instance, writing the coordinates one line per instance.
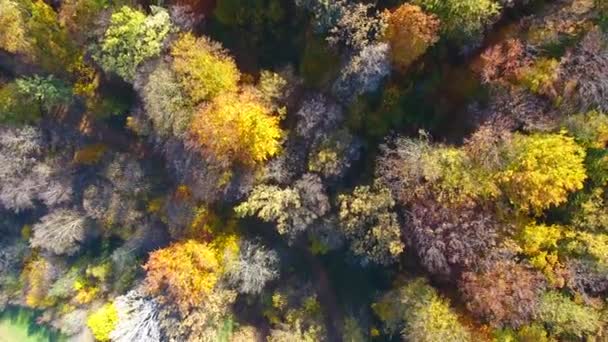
(410, 33)
(186, 272)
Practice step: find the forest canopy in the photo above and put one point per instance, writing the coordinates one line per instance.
(305, 170)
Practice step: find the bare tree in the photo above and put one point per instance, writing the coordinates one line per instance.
(60, 232)
(255, 267)
(138, 319)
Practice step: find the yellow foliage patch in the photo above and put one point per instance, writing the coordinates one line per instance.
(238, 127)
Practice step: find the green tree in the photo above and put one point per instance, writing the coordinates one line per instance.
(319, 63)
(589, 129)
(567, 319)
(15, 107)
(47, 92)
(26, 99)
(461, 19)
(256, 12)
(131, 38)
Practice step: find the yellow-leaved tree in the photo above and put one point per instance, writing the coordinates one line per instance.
(103, 321)
(238, 128)
(13, 37)
(203, 68)
(186, 272)
(541, 170)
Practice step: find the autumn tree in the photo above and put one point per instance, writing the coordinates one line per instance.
(114, 198)
(461, 19)
(185, 272)
(127, 175)
(138, 318)
(528, 333)
(26, 176)
(13, 37)
(103, 321)
(254, 267)
(506, 293)
(203, 68)
(296, 314)
(364, 72)
(567, 319)
(60, 232)
(293, 209)
(451, 239)
(318, 114)
(355, 28)
(539, 242)
(370, 224)
(47, 42)
(165, 103)
(419, 313)
(502, 62)
(37, 276)
(410, 32)
(246, 333)
(237, 128)
(414, 168)
(196, 8)
(76, 14)
(542, 170)
(582, 73)
(207, 322)
(331, 156)
(132, 38)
